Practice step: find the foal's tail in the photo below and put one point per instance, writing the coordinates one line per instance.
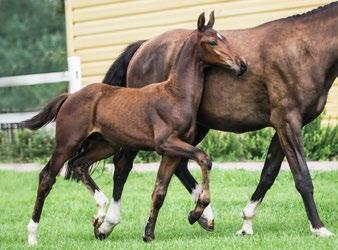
(47, 115)
(117, 73)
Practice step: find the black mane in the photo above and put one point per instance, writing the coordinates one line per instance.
(318, 10)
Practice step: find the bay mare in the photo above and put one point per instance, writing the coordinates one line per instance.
(159, 117)
(292, 64)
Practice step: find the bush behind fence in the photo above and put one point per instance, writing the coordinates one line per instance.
(321, 143)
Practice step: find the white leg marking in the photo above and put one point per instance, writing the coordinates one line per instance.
(207, 213)
(32, 233)
(112, 218)
(322, 231)
(102, 203)
(195, 193)
(248, 214)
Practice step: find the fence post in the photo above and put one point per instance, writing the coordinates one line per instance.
(74, 69)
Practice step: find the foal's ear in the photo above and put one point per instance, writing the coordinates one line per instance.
(211, 20)
(201, 22)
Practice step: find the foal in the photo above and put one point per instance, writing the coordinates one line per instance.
(158, 117)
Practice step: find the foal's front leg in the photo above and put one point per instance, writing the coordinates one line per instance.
(164, 174)
(174, 146)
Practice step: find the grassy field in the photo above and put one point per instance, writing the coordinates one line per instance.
(66, 220)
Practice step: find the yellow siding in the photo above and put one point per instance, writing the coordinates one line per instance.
(97, 31)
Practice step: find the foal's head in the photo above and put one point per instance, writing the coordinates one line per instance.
(215, 49)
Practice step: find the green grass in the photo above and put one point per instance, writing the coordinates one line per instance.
(66, 220)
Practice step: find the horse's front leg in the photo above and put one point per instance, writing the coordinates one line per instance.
(164, 174)
(270, 171)
(288, 128)
(123, 162)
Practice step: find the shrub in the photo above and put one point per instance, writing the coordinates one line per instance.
(321, 143)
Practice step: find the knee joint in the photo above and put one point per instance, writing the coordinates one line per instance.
(304, 186)
(204, 160)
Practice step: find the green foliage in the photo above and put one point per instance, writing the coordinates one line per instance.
(321, 143)
(26, 146)
(32, 37)
(223, 146)
(32, 40)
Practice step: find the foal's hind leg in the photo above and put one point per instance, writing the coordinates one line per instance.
(164, 174)
(123, 162)
(270, 171)
(96, 150)
(46, 180)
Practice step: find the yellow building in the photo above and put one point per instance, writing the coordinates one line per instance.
(97, 31)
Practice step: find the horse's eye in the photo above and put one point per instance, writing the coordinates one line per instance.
(212, 43)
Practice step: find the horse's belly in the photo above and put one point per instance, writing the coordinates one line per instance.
(233, 104)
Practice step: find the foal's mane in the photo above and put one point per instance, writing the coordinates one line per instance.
(310, 13)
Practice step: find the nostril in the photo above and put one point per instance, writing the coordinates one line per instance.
(243, 66)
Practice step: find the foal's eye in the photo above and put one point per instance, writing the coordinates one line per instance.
(212, 43)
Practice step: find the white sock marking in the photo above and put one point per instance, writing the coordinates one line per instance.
(322, 231)
(32, 233)
(207, 213)
(112, 218)
(195, 193)
(102, 203)
(248, 214)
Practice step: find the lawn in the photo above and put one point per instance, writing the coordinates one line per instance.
(66, 220)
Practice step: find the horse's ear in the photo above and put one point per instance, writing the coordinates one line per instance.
(201, 22)
(211, 20)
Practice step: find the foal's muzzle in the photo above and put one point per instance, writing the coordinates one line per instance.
(242, 67)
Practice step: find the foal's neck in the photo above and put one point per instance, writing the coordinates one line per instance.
(187, 77)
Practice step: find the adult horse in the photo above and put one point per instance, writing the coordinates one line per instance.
(292, 65)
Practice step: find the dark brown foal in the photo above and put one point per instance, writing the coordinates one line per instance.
(158, 117)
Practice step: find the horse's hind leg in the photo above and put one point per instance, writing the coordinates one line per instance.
(164, 174)
(123, 162)
(97, 149)
(46, 180)
(289, 132)
(270, 171)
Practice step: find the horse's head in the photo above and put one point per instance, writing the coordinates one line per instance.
(215, 49)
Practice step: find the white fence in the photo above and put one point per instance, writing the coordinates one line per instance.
(73, 76)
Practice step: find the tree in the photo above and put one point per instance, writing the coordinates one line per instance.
(32, 40)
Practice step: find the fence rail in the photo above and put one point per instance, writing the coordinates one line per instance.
(73, 76)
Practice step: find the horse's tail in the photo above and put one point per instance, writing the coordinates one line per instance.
(47, 115)
(117, 73)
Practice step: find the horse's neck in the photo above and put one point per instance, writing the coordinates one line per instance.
(186, 77)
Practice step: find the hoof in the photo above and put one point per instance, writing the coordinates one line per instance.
(321, 232)
(32, 241)
(98, 235)
(192, 218)
(148, 238)
(207, 225)
(244, 232)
